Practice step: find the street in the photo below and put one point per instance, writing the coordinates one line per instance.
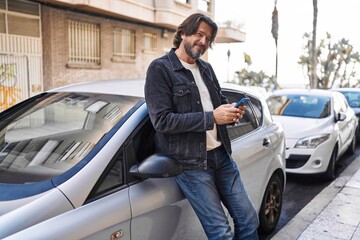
(300, 190)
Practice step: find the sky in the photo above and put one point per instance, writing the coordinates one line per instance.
(295, 18)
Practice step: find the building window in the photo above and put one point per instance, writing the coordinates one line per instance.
(149, 41)
(124, 44)
(204, 5)
(84, 43)
(18, 17)
(2, 23)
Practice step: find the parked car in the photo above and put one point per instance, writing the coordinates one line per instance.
(79, 162)
(319, 128)
(352, 95)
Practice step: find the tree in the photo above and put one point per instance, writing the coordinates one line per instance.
(274, 32)
(337, 64)
(314, 80)
(246, 77)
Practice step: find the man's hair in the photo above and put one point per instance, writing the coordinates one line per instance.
(191, 24)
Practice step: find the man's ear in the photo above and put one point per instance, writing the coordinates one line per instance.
(183, 36)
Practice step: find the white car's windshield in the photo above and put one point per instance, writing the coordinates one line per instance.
(50, 135)
(300, 106)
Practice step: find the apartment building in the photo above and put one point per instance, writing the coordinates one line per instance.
(50, 43)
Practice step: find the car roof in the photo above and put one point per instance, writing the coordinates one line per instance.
(246, 89)
(131, 87)
(346, 89)
(128, 87)
(310, 92)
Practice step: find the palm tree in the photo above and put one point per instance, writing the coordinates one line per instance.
(314, 80)
(274, 31)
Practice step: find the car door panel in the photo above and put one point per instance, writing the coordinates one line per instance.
(96, 220)
(160, 212)
(253, 159)
(251, 146)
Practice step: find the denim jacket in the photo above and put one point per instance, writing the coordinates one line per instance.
(175, 109)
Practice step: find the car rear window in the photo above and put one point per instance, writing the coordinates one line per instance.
(300, 106)
(48, 136)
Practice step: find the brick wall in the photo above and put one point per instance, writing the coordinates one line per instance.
(55, 49)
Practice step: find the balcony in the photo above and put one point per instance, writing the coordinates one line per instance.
(165, 14)
(230, 35)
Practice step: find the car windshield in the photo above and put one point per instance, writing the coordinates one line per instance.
(49, 135)
(353, 98)
(300, 105)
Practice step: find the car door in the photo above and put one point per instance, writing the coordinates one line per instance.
(105, 215)
(345, 127)
(122, 206)
(158, 208)
(350, 119)
(251, 146)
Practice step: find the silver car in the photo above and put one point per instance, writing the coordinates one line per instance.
(79, 162)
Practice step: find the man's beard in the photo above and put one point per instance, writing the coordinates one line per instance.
(192, 52)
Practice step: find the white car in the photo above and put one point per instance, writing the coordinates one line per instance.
(79, 162)
(319, 128)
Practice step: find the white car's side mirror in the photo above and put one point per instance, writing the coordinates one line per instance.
(341, 116)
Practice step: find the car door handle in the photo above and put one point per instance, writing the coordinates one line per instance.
(266, 142)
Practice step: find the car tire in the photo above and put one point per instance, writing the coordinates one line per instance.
(271, 205)
(330, 171)
(352, 146)
(357, 132)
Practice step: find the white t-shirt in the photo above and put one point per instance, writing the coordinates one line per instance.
(211, 135)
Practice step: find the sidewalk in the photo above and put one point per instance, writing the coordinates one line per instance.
(334, 214)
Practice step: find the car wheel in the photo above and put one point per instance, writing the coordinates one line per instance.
(270, 209)
(352, 146)
(330, 172)
(358, 132)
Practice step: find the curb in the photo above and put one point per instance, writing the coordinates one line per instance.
(298, 224)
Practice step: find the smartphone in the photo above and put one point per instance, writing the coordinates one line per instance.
(241, 102)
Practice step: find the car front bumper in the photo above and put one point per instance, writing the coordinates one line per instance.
(308, 160)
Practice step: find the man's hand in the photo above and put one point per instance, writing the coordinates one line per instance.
(226, 113)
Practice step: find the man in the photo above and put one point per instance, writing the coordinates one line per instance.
(189, 114)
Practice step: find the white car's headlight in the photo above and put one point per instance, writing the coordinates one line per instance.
(312, 142)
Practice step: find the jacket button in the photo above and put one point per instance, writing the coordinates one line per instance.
(198, 102)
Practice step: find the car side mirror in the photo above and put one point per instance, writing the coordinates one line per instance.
(341, 116)
(156, 166)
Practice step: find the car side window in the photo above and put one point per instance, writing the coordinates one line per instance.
(251, 119)
(257, 107)
(343, 103)
(112, 178)
(136, 148)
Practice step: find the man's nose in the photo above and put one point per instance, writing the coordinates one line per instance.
(203, 40)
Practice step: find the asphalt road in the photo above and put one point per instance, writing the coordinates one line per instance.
(300, 190)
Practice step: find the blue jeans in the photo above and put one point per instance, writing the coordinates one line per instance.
(220, 183)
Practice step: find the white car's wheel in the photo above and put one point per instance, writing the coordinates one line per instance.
(330, 172)
(352, 146)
